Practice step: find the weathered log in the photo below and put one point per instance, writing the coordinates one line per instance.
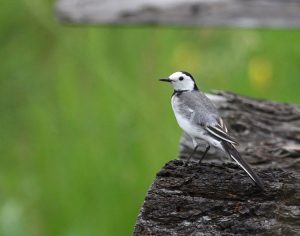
(217, 198)
(254, 13)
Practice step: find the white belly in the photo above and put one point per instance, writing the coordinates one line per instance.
(187, 126)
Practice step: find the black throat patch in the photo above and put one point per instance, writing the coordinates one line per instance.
(179, 92)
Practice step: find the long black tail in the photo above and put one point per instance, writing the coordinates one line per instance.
(233, 153)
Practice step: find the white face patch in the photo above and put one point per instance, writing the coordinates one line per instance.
(181, 81)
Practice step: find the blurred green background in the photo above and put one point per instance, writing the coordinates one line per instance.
(85, 124)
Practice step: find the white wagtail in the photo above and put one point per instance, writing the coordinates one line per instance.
(199, 118)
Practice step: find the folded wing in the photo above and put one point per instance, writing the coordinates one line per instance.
(219, 130)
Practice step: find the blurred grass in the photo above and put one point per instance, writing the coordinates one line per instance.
(85, 125)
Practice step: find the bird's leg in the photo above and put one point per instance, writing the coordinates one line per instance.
(204, 154)
(193, 152)
(191, 155)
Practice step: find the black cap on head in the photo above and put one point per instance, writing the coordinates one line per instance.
(188, 74)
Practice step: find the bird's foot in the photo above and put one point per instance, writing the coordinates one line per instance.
(186, 163)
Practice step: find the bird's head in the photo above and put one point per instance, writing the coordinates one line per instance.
(181, 81)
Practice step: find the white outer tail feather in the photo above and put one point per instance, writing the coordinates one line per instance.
(229, 148)
(242, 167)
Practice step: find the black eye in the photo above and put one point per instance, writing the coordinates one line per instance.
(181, 78)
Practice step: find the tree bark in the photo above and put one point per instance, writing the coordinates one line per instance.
(217, 198)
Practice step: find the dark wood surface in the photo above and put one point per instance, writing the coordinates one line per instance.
(218, 198)
(244, 13)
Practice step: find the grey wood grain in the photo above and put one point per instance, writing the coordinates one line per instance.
(219, 200)
(243, 13)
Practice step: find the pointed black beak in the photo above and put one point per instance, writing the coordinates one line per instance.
(165, 80)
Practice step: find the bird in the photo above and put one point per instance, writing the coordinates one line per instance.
(199, 118)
